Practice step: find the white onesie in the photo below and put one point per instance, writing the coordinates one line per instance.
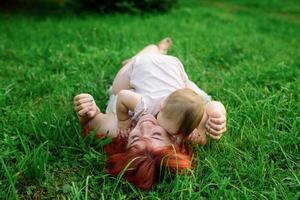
(155, 77)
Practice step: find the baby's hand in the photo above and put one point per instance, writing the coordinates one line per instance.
(124, 126)
(216, 125)
(85, 106)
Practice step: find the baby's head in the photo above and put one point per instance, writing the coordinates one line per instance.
(181, 112)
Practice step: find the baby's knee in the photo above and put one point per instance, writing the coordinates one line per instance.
(153, 48)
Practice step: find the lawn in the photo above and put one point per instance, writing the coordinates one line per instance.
(246, 55)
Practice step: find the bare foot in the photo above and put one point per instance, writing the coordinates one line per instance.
(164, 45)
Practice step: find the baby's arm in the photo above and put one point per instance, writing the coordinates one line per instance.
(127, 101)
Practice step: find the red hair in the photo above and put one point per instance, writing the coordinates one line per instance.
(141, 166)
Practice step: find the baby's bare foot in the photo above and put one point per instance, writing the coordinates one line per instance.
(164, 45)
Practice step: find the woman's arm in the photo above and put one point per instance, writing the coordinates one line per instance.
(190, 84)
(216, 112)
(216, 123)
(85, 108)
(198, 136)
(90, 116)
(212, 124)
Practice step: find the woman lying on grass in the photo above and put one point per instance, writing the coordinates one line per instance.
(153, 109)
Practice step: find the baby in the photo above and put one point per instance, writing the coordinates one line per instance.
(155, 83)
(179, 114)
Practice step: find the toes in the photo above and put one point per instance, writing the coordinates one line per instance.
(168, 40)
(165, 43)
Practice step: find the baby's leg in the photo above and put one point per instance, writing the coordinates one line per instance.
(164, 45)
(161, 48)
(149, 49)
(121, 81)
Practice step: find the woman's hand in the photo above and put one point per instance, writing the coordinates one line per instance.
(198, 137)
(216, 123)
(85, 107)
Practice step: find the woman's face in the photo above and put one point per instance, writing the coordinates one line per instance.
(148, 128)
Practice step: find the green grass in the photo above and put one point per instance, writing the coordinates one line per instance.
(244, 54)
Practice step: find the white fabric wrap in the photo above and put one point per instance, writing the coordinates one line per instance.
(139, 110)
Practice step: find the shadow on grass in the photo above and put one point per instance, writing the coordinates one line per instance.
(42, 11)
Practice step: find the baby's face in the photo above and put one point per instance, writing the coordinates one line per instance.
(169, 125)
